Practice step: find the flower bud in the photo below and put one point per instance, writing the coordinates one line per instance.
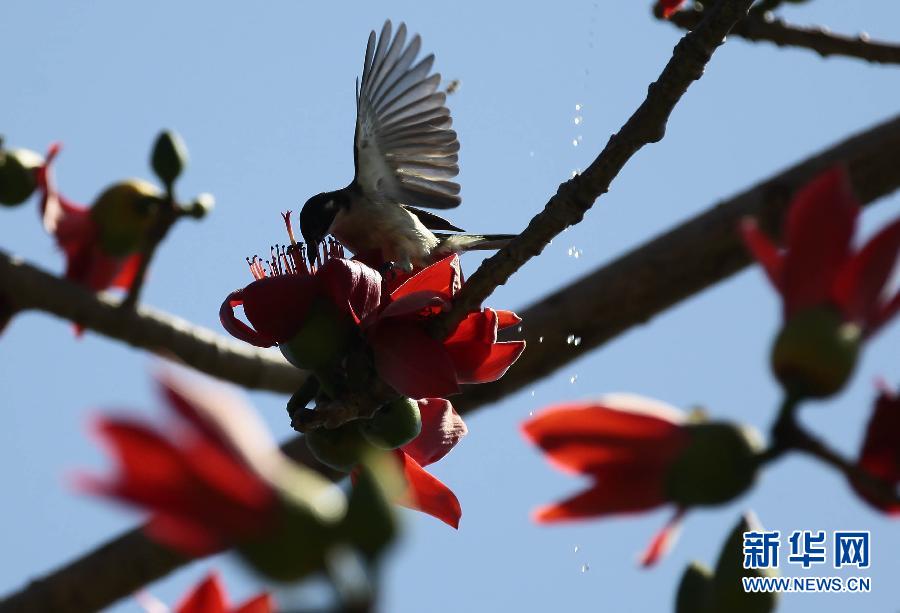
(717, 464)
(727, 590)
(339, 448)
(201, 206)
(322, 340)
(815, 353)
(123, 214)
(394, 424)
(169, 158)
(694, 589)
(17, 180)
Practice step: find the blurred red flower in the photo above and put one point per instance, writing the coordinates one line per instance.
(880, 455)
(819, 266)
(198, 482)
(419, 366)
(209, 596)
(91, 261)
(669, 7)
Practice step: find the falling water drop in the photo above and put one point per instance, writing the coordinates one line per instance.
(576, 548)
(540, 339)
(585, 568)
(573, 379)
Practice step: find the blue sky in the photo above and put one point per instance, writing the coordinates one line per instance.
(263, 95)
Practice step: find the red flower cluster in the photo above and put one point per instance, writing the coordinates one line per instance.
(209, 597)
(90, 261)
(819, 267)
(199, 483)
(281, 301)
(880, 455)
(669, 7)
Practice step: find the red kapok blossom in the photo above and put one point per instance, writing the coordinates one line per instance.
(419, 366)
(89, 260)
(641, 454)
(197, 481)
(880, 455)
(819, 267)
(209, 597)
(279, 301)
(669, 7)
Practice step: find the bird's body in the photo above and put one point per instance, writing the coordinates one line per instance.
(405, 155)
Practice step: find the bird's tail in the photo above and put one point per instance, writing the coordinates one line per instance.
(456, 243)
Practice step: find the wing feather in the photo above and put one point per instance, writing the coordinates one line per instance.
(404, 148)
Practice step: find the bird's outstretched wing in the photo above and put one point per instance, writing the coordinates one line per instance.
(404, 148)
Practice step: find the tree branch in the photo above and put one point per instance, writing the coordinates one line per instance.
(766, 28)
(576, 196)
(26, 287)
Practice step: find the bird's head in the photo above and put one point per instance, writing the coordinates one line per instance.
(316, 218)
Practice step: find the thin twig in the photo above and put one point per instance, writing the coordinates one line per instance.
(576, 196)
(767, 28)
(166, 216)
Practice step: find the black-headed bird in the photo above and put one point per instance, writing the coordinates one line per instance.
(405, 154)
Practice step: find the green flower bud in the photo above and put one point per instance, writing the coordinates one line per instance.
(718, 464)
(17, 181)
(815, 353)
(694, 590)
(394, 425)
(371, 522)
(323, 340)
(340, 448)
(169, 158)
(201, 206)
(727, 590)
(123, 213)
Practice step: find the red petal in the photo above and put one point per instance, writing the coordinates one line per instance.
(238, 329)
(662, 541)
(474, 366)
(480, 326)
(264, 603)
(427, 494)
(127, 272)
(207, 597)
(443, 278)
(277, 306)
(442, 428)
(587, 438)
(352, 286)
(820, 225)
(410, 361)
(860, 284)
(505, 319)
(625, 491)
(880, 455)
(763, 250)
(416, 303)
(191, 538)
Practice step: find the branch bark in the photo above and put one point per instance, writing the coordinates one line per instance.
(576, 196)
(26, 287)
(765, 28)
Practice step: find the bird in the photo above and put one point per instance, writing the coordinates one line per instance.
(405, 155)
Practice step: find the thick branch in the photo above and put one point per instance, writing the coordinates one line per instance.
(574, 197)
(766, 28)
(678, 264)
(26, 287)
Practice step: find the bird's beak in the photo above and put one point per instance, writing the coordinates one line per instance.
(312, 251)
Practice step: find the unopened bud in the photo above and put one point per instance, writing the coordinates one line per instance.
(169, 157)
(17, 181)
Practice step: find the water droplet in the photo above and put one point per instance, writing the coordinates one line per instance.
(578, 120)
(576, 548)
(574, 142)
(574, 252)
(530, 413)
(577, 341)
(573, 379)
(577, 107)
(532, 393)
(585, 568)
(570, 339)
(519, 329)
(540, 339)
(575, 173)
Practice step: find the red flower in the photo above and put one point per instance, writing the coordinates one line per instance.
(442, 428)
(209, 597)
(819, 267)
(419, 366)
(90, 261)
(202, 480)
(669, 7)
(880, 455)
(641, 454)
(279, 301)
